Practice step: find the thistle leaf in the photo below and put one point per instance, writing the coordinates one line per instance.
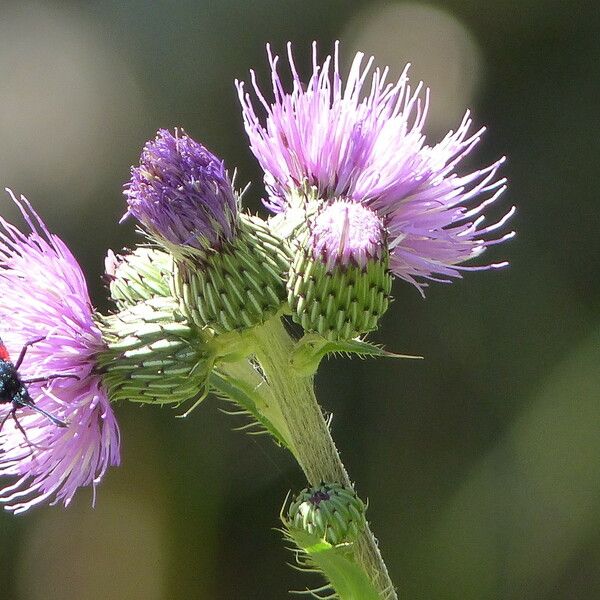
(247, 398)
(348, 580)
(312, 348)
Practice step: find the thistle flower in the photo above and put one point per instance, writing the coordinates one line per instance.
(339, 283)
(363, 142)
(182, 194)
(229, 269)
(345, 233)
(44, 295)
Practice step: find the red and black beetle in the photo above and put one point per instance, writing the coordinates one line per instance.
(13, 388)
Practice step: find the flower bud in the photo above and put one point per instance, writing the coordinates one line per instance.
(153, 354)
(339, 284)
(240, 286)
(138, 275)
(329, 511)
(229, 269)
(182, 195)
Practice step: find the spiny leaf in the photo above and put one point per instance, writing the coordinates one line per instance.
(312, 348)
(348, 580)
(244, 396)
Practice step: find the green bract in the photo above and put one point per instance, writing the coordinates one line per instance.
(342, 304)
(138, 275)
(238, 287)
(153, 354)
(328, 511)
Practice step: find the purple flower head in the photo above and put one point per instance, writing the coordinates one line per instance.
(362, 140)
(181, 193)
(345, 232)
(44, 295)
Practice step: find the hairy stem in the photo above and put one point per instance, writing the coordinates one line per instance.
(314, 448)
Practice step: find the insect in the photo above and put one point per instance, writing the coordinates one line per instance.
(13, 388)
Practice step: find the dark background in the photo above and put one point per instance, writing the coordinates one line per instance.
(481, 463)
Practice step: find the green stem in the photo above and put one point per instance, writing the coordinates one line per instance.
(310, 437)
(240, 382)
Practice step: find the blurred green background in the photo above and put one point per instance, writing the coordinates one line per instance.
(481, 463)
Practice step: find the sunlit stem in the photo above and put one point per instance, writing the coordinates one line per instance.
(310, 437)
